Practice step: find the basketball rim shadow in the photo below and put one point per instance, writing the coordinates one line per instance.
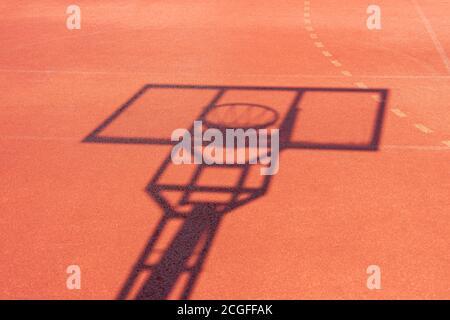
(188, 248)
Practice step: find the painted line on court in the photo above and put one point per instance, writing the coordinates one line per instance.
(336, 63)
(66, 37)
(415, 147)
(437, 44)
(361, 85)
(423, 128)
(383, 147)
(347, 73)
(319, 44)
(376, 98)
(40, 138)
(398, 112)
(312, 76)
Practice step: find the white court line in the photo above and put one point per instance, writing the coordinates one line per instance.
(423, 128)
(39, 138)
(415, 147)
(434, 38)
(50, 71)
(361, 85)
(346, 73)
(376, 98)
(314, 76)
(336, 63)
(398, 113)
(382, 147)
(66, 37)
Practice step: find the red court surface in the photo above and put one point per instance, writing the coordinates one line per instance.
(331, 211)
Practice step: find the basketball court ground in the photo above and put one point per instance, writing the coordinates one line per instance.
(364, 175)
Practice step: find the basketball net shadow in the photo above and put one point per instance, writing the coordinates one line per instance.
(177, 266)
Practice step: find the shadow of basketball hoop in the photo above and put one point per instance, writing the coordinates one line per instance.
(199, 205)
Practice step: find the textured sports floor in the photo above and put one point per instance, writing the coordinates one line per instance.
(327, 215)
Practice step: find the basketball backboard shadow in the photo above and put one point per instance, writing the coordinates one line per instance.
(322, 118)
(195, 198)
